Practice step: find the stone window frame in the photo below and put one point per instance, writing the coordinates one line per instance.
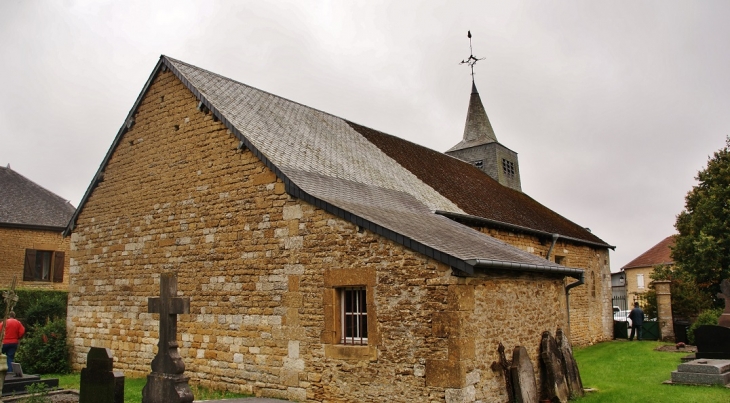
(335, 280)
(640, 281)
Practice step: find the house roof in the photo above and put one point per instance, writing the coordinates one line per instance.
(341, 167)
(26, 204)
(657, 254)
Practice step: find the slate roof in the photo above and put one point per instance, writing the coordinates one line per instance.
(23, 203)
(474, 192)
(477, 130)
(657, 254)
(330, 163)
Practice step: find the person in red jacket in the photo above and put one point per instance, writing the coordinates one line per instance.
(13, 334)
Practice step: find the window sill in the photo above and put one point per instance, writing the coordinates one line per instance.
(350, 352)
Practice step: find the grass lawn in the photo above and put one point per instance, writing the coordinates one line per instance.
(133, 388)
(624, 371)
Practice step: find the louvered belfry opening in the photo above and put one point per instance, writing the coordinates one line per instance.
(354, 316)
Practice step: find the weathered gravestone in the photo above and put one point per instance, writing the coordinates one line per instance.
(556, 388)
(166, 383)
(99, 382)
(572, 375)
(523, 377)
(714, 341)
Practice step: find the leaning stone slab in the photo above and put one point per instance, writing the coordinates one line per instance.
(523, 377)
(555, 385)
(570, 366)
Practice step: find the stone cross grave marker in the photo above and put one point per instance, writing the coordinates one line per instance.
(166, 383)
(724, 319)
(10, 298)
(99, 382)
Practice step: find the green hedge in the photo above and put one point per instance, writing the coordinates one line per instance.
(43, 349)
(38, 306)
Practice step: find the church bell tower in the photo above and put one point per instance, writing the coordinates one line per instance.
(479, 145)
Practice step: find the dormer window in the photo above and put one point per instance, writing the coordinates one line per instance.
(508, 167)
(478, 163)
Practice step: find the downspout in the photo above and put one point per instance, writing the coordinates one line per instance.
(550, 251)
(580, 281)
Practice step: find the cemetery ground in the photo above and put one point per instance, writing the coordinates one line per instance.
(620, 371)
(633, 371)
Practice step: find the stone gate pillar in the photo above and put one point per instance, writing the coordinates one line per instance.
(664, 309)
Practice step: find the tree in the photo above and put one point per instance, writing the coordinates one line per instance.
(702, 247)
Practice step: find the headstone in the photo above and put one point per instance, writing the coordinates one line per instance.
(712, 342)
(724, 319)
(556, 387)
(99, 382)
(523, 377)
(167, 382)
(570, 366)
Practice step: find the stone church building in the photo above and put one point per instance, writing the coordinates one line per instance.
(324, 260)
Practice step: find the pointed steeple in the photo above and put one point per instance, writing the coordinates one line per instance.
(477, 130)
(479, 146)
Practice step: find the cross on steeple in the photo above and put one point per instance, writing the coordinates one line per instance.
(471, 60)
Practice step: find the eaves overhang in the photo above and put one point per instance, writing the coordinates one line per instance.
(545, 269)
(518, 228)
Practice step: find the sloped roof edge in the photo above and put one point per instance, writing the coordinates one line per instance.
(466, 217)
(657, 254)
(460, 265)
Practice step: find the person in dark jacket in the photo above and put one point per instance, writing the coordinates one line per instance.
(637, 319)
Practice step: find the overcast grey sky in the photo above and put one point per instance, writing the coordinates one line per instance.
(613, 106)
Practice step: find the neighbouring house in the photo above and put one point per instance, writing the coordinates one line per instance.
(32, 246)
(637, 273)
(324, 261)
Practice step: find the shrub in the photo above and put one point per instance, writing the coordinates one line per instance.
(44, 349)
(708, 317)
(45, 307)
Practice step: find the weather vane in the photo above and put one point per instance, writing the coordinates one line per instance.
(471, 61)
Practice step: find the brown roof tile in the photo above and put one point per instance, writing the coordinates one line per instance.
(473, 191)
(658, 254)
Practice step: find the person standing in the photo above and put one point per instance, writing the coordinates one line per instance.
(13, 334)
(637, 320)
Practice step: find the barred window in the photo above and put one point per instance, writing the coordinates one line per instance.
(354, 315)
(508, 167)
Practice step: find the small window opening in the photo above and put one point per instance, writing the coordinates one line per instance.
(354, 316)
(478, 163)
(508, 167)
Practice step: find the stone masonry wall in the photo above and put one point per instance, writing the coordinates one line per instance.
(591, 312)
(14, 242)
(261, 268)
